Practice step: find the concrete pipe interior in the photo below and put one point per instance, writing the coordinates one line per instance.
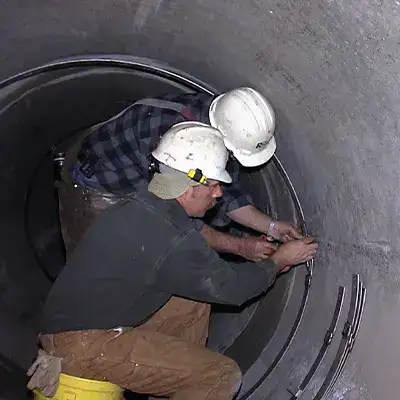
(108, 87)
(331, 71)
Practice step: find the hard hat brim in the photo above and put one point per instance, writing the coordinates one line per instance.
(222, 177)
(211, 111)
(256, 159)
(167, 186)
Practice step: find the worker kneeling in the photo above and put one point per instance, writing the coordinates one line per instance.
(132, 304)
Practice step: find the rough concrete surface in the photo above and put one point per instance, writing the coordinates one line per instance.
(331, 70)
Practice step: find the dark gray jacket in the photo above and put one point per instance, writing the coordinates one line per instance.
(133, 258)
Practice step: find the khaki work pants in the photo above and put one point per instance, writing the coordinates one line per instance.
(160, 357)
(165, 356)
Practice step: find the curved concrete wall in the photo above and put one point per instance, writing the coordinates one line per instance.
(331, 70)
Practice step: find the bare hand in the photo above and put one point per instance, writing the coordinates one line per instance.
(284, 231)
(256, 249)
(294, 252)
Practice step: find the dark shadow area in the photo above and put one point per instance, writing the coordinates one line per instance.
(13, 381)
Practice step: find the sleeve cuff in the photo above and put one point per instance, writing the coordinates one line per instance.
(198, 224)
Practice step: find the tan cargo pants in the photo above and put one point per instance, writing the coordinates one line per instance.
(164, 356)
(158, 358)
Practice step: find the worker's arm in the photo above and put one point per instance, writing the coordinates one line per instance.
(253, 218)
(238, 205)
(191, 269)
(252, 248)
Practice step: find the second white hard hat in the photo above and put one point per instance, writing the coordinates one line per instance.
(247, 122)
(188, 146)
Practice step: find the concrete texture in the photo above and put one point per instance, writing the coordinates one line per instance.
(331, 71)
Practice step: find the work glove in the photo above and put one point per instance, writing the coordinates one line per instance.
(45, 373)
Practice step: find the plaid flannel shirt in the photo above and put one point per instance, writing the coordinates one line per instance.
(118, 149)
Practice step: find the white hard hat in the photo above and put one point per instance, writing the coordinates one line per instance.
(189, 146)
(247, 121)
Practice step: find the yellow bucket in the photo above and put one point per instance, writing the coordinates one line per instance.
(73, 388)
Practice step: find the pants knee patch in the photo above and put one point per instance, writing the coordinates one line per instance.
(237, 381)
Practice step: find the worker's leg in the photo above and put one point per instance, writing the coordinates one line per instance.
(145, 361)
(75, 202)
(78, 209)
(76, 213)
(182, 318)
(79, 206)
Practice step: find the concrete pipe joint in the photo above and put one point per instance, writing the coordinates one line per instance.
(325, 330)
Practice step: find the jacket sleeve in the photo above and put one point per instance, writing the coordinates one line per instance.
(193, 270)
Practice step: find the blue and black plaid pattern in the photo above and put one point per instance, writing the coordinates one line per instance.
(119, 148)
